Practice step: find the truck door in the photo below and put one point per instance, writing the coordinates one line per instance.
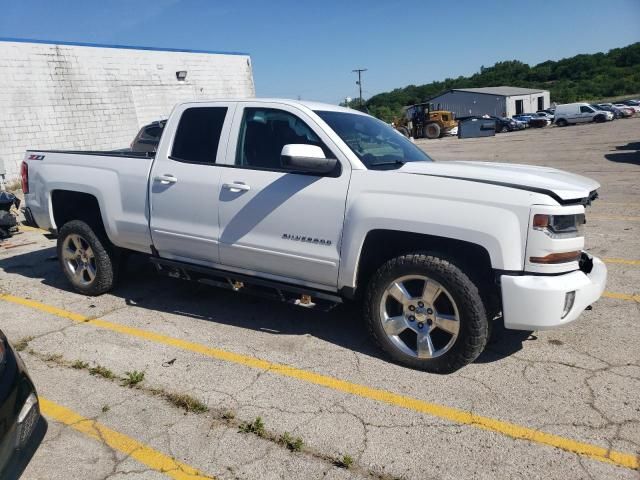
(273, 221)
(184, 183)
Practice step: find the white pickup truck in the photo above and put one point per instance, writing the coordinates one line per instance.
(315, 203)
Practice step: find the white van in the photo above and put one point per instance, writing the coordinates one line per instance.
(579, 113)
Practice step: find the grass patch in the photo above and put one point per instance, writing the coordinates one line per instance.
(101, 371)
(132, 378)
(106, 408)
(21, 344)
(256, 427)
(53, 357)
(79, 365)
(186, 402)
(345, 461)
(293, 444)
(228, 415)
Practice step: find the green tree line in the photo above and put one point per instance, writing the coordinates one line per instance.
(583, 77)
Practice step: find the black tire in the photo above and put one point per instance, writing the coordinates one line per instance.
(600, 119)
(562, 122)
(404, 131)
(432, 131)
(504, 129)
(473, 327)
(105, 256)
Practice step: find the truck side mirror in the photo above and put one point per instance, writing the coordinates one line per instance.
(299, 157)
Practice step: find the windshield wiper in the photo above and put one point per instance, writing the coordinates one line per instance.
(395, 162)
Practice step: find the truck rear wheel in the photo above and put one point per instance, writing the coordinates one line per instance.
(88, 261)
(426, 313)
(432, 130)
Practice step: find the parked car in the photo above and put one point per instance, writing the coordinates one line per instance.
(617, 113)
(148, 137)
(21, 425)
(631, 103)
(546, 115)
(502, 124)
(633, 108)
(316, 203)
(571, 113)
(620, 109)
(519, 124)
(532, 120)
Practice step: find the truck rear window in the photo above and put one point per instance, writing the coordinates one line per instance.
(198, 135)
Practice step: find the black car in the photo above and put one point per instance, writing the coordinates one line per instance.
(503, 124)
(22, 427)
(148, 137)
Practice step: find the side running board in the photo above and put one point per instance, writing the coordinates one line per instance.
(284, 292)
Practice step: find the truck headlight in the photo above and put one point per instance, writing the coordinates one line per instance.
(560, 226)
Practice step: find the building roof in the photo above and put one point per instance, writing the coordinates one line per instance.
(126, 47)
(503, 91)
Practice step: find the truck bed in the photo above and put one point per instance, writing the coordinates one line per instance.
(118, 180)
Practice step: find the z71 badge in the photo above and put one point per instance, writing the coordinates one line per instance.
(302, 238)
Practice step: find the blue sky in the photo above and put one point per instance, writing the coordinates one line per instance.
(308, 49)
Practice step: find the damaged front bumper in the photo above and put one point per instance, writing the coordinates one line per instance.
(542, 302)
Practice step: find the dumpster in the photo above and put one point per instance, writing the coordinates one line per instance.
(476, 127)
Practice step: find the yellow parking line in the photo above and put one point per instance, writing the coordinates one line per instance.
(614, 217)
(27, 228)
(456, 415)
(622, 296)
(621, 260)
(144, 454)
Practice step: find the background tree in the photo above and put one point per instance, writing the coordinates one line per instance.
(583, 77)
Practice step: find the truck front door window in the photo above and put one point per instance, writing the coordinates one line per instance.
(263, 133)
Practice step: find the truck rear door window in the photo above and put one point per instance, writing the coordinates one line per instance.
(198, 135)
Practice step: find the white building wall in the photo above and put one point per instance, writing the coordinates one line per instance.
(529, 102)
(83, 97)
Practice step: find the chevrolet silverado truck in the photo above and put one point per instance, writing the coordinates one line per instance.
(316, 204)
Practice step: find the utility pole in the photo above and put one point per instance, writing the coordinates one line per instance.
(359, 82)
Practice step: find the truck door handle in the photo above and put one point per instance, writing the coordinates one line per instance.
(236, 187)
(166, 179)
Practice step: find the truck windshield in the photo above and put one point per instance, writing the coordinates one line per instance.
(374, 142)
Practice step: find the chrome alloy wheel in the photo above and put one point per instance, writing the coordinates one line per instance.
(419, 316)
(79, 259)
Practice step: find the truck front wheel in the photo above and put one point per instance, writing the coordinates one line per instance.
(88, 261)
(426, 313)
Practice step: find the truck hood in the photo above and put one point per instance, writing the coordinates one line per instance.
(563, 186)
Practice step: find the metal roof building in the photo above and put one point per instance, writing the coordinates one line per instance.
(500, 101)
